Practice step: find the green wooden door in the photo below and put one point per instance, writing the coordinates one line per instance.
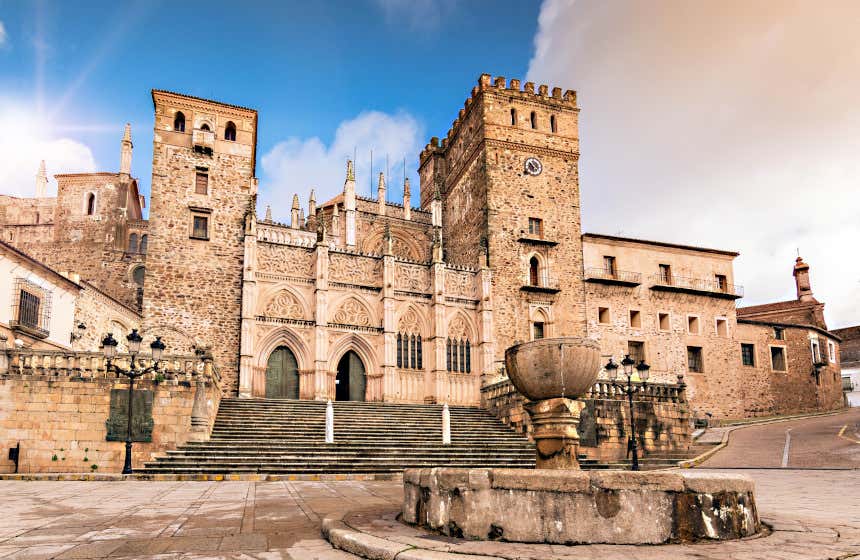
(282, 375)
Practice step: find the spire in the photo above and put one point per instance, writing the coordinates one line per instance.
(294, 222)
(312, 204)
(407, 200)
(125, 151)
(801, 280)
(268, 213)
(380, 193)
(41, 181)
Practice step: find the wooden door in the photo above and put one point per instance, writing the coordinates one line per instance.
(282, 375)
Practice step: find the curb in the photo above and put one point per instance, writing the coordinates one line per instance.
(251, 477)
(695, 461)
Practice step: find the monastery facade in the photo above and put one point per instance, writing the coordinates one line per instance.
(366, 299)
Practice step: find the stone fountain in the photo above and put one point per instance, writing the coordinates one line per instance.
(558, 503)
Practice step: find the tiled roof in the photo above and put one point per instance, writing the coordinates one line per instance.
(777, 306)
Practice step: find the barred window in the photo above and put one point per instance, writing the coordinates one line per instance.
(694, 359)
(31, 308)
(748, 355)
(409, 351)
(459, 355)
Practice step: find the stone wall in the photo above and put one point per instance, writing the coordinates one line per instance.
(663, 420)
(55, 406)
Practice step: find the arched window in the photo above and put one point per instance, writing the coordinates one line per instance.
(513, 117)
(205, 127)
(534, 271)
(458, 354)
(91, 204)
(144, 241)
(230, 132)
(179, 122)
(138, 274)
(132, 243)
(552, 124)
(409, 351)
(533, 119)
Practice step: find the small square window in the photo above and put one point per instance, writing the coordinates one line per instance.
(722, 326)
(693, 324)
(603, 316)
(695, 363)
(635, 319)
(663, 320)
(748, 355)
(201, 184)
(536, 227)
(538, 330)
(200, 229)
(777, 358)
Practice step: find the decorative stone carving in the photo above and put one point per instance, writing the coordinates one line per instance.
(284, 304)
(458, 329)
(413, 278)
(409, 322)
(280, 259)
(353, 269)
(460, 284)
(352, 312)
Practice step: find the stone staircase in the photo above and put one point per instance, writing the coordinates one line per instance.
(279, 436)
(650, 461)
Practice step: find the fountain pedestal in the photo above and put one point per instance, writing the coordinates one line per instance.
(555, 434)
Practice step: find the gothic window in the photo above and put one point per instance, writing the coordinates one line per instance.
(91, 204)
(144, 241)
(533, 119)
(534, 271)
(459, 355)
(553, 125)
(409, 351)
(513, 117)
(132, 243)
(179, 122)
(230, 132)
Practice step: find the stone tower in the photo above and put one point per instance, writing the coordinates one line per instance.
(203, 186)
(507, 173)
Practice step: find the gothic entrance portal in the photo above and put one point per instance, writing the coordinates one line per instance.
(350, 381)
(282, 375)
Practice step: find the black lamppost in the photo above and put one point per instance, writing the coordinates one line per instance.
(612, 371)
(134, 339)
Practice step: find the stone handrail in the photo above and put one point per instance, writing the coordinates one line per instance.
(93, 365)
(602, 389)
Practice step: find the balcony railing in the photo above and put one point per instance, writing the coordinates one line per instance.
(618, 277)
(546, 284)
(705, 286)
(203, 140)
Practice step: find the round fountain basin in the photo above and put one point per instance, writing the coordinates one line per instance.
(553, 367)
(579, 507)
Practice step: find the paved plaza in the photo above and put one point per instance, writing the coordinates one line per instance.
(814, 511)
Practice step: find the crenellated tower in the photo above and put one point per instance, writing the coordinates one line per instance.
(508, 180)
(203, 187)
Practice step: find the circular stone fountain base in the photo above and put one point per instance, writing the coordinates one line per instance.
(579, 507)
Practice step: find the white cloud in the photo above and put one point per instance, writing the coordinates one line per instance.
(25, 143)
(296, 165)
(4, 37)
(416, 14)
(729, 124)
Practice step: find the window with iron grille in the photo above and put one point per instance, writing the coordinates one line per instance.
(31, 307)
(748, 355)
(694, 359)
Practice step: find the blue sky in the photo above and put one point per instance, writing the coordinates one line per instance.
(729, 124)
(307, 67)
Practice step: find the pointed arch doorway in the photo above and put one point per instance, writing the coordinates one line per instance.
(350, 383)
(282, 374)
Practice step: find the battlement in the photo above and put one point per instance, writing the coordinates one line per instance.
(515, 90)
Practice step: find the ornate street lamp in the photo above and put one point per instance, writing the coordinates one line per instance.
(628, 389)
(134, 339)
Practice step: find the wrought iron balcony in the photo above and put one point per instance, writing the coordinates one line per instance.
(544, 284)
(203, 140)
(615, 277)
(700, 286)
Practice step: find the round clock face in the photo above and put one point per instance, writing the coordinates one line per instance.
(533, 166)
